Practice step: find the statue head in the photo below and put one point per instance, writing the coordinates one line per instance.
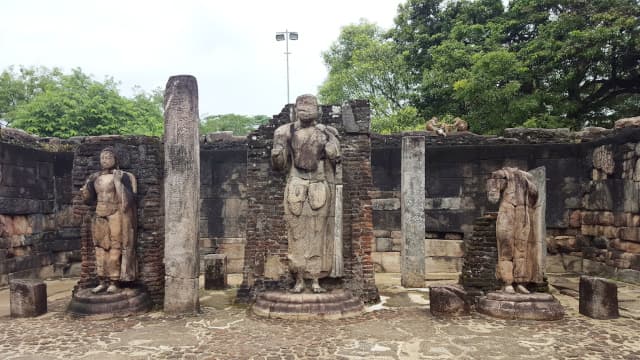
(108, 159)
(307, 109)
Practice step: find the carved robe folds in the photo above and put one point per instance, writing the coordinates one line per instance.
(309, 199)
(515, 229)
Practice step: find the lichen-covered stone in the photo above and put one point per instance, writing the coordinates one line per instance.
(598, 298)
(448, 300)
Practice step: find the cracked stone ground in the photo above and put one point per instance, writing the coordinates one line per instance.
(402, 328)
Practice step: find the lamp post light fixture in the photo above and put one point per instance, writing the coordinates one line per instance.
(286, 36)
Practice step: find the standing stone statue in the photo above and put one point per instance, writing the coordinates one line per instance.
(518, 262)
(310, 152)
(113, 226)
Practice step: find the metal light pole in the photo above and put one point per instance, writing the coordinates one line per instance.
(286, 36)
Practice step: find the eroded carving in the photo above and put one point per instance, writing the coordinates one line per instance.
(518, 262)
(113, 226)
(309, 152)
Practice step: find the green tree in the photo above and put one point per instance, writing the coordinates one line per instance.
(364, 64)
(541, 63)
(50, 103)
(240, 124)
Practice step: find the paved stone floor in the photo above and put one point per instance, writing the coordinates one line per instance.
(401, 328)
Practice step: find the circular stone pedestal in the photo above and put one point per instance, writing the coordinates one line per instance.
(535, 306)
(337, 304)
(125, 302)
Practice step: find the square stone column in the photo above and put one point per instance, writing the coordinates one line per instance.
(28, 297)
(215, 272)
(412, 211)
(181, 194)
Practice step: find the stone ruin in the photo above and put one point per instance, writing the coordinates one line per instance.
(592, 213)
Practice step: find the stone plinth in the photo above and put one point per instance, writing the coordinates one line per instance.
(535, 306)
(215, 272)
(125, 302)
(598, 298)
(28, 297)
(448, 300)
(337, 304)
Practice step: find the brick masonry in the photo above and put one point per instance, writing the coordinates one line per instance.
(265, 264)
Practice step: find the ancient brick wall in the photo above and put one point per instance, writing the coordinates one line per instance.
(265, 254)
(223, 195)
(143, 157)
(38, 235)
(457, 167)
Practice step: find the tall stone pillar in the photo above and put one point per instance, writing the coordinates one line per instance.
(181, 194)
(412, 210)
(540, 179)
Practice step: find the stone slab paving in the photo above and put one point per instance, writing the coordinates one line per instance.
(401, 328)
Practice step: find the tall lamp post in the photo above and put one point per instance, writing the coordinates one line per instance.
(286, 36)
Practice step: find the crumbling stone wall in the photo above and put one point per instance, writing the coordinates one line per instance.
(143, 157)
(608, 222)
(265, 264)
(223, 194)
(39, 237)
(457, 167)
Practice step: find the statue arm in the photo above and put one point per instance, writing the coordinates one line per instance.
(280, 150)
(332, 147)
(88, 191)
(126, 186)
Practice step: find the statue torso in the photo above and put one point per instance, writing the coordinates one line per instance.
(107, 203)
(307, 144)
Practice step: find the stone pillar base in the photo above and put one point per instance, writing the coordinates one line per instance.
(126, 302)
(337, 304)
(535, 306)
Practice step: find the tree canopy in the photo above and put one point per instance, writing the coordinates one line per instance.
(240, 124)
(47, 102)
(364, 63)
(536, 63)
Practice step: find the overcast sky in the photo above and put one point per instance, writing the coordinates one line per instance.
(229, 45)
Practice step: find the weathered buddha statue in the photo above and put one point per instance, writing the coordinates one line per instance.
(309, 152)
(113, 226)
(518, 262)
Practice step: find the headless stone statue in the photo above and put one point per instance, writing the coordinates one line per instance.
(515, 229)
(114, 222)
(309, 151)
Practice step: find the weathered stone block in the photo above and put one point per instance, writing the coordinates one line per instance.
(28, 297)
(598, 298)
(447, 203)
(385, 204)
(554, 264)
(215, 271)
(448, 300)
(630, 234)
(384, 244)
(390, 261)
(443, 264)
(453, 236)
(451, 248)
(381, 233)
(233, 250)
(628, 246)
